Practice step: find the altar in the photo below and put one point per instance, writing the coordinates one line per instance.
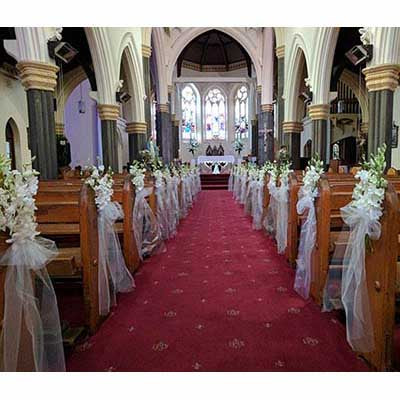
(212, 164)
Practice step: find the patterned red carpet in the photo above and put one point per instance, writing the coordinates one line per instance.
(219, 299)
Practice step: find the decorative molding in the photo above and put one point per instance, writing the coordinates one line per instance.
(280, 51)
(292, 127)
(382, 77)
(173, 117)
(163, 108)
(318, 111)
(170, 88)
(267, 108)
(137, 128)
(364, 127)
(38, 75)
(365, 36)
(108, 112)
(259, 89)
(177, 122)
(59, 128)
(146, 51)
(213, 68)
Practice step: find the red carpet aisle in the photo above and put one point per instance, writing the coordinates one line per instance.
(220, 299)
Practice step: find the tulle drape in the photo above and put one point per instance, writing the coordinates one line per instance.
(353, 290)
(282, 217)
(162, 211)
(306, 245)
(257, 204)
(270, 217)
(31, 338)
(114, 276)
(243, 187)
(146, 228)
(230, 181)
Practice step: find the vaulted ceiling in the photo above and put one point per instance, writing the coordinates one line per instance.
(214, 51)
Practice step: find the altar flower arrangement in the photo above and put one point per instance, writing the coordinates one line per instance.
(238, 146)
(194, 146)
(101, 182)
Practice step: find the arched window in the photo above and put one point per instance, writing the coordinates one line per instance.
(242, 113)
(215, 115)
(190, 106)
(10, 144)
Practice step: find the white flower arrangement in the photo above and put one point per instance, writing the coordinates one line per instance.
(311, 177)
(159, 177)
(17, 202)
(138, 175)
(101, 182)
(369, 192)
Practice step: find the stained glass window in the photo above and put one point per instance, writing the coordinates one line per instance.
(189, 113)
(242, 113)
(215, 113)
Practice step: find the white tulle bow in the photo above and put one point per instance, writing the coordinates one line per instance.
(114, 276)
(355, 299)
(306, 245)
(31, 338)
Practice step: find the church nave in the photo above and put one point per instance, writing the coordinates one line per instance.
(219, 299)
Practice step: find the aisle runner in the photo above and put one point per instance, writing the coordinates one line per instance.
(220, 299)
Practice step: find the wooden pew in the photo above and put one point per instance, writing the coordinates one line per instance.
(70, 218)
(380, 264)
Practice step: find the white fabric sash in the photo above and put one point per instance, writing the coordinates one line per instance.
(257, 204)
(270, 218)
(30, 308)
(114, 276)
(306, 245)
(282, 217)
(360, 333)
(146, 228)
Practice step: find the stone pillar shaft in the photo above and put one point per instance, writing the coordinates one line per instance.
(254, 138)
(137, 132)
(280, 53)
(381, 81)
(39, 80)
(146, 53)
(109, 114)
(319, 114)
(164, 134)
(293, 131)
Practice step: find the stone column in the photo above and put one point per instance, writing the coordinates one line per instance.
(319, 114)
(175, 136)
(280, 54)
(261, 128)
(293, 131)
(137, 132)
(254, 137)
(267, 140)
(381, 81)
(109, 114)
(39, 80)
(164, 129)
(146, 53)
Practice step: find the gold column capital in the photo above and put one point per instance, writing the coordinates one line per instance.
(292, 127)
(59, 128)
(267, 107)
(258, 89)
(170, 88)
(382, 77)
(163, 107)
(280, 51)
(177, 122)
(318, 111)
(146, 51)
(136, 128)
(38, 75)
(108, 112)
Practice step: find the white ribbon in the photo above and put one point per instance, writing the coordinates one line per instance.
(308, 236)
(243, 188)
(282, 217)
(249, 196)
(360, 333)
(162, 215)
(31, 338)
(111, 261)
(230, 181)
(146, 228)
(270, 218)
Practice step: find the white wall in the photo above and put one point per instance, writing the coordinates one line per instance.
(13, 104)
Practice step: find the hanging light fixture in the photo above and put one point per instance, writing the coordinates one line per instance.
(81, 102)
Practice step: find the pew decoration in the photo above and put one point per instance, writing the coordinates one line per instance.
(31, 337)
(362, 216)
(305, 204)
(257, 199)
(276, 220)
(111, 261)
(147, 229)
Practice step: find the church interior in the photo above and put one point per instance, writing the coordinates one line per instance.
(199, 199)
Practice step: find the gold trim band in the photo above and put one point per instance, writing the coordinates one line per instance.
(382, 77)
(292, 127)
(38, 75)
(318, 111)
(108, 112)
(136, 128)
